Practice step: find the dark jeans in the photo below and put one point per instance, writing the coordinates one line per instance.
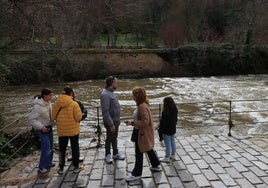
(63, 142)
(137, 171)
(111, 139)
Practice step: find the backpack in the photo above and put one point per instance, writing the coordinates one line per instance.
(83, 110)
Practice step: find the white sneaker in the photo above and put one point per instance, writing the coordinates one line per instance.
(173, 158)
(118, 157)
(132, 178)
(42, 170)
(109, 159)
(166, 160)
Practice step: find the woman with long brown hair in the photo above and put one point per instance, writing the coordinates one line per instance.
(144, 142)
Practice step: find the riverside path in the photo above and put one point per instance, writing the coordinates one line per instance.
(204, 160)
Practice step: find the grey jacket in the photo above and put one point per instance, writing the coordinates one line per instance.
(110, 107)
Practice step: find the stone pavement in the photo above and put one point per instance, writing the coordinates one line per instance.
(201, 161)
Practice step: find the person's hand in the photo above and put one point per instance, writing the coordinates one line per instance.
(112, 129)
(44, 129)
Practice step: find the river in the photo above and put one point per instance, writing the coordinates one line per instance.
(198, 113)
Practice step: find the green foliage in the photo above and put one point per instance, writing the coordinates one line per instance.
(190, 60)
(169, 55)
(4, 71)
(122, 40)
(226, 59)
(24, 72)
(5, 152)
(39, 67)
(1, 116)
(9, 149)
(6, 45)
(217, 20)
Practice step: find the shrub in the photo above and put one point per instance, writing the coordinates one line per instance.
(225, 59)
(24, 72)
(10, 150)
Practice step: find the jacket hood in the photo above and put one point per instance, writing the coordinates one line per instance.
(64, 100)
(40, 102)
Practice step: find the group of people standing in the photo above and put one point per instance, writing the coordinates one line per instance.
(67, 114)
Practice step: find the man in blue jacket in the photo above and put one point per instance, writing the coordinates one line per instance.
(111, 118)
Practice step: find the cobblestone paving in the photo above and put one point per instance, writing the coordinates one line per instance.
(201, 161)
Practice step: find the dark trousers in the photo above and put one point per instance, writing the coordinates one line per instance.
(137, 171)
(63, 142)
(111, 139)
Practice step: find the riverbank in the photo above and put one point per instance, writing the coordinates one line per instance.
(21, 67)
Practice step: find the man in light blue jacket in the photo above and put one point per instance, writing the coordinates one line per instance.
(111, 118)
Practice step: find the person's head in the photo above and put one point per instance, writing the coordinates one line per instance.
(111, 82)
(68, 91)
(169, 104)
(46, 94)
(139, 95)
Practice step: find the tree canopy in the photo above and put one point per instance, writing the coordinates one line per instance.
(148, 23)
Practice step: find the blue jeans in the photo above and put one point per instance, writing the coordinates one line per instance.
(46, 148)
(170, 144)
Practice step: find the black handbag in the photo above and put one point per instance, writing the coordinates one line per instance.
(134, 136)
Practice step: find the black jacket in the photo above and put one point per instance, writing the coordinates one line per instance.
(168, 123)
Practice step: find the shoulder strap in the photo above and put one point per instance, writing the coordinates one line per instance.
(58, 113)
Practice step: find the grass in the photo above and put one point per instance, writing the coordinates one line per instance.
(126, 41)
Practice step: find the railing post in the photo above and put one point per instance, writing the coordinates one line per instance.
(98, 128)
(159, 115)
(230, 118)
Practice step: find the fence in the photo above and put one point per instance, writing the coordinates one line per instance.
(219, 113)
(197, 114)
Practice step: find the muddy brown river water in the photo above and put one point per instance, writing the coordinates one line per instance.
(204, 103)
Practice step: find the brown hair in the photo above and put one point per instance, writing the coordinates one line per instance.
(140, 95)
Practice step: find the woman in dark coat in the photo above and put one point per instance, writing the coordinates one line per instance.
(167, 128)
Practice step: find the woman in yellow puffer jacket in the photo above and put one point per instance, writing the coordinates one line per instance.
(67, 114)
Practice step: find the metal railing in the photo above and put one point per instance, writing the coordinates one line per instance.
(190, 114)
(227, 110)
(19, 122)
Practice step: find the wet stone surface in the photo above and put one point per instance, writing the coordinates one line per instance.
(201, 161)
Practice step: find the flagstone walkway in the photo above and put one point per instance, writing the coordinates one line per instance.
(201, 161)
